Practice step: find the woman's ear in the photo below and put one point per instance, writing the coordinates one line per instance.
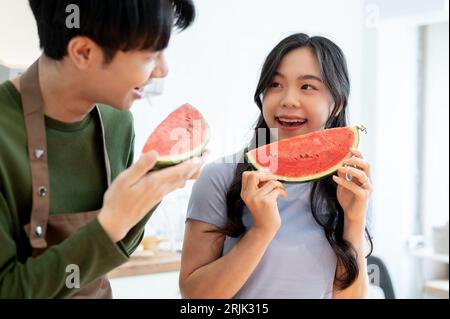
(83, 52)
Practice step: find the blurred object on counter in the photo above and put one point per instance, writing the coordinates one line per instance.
(151, 243)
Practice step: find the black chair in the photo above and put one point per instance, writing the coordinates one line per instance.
(379, 272)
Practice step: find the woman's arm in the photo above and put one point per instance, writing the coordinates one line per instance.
(205, 274)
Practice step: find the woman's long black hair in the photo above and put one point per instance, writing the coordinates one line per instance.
(325, 207)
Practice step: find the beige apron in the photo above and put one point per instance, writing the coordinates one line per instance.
(45, 230)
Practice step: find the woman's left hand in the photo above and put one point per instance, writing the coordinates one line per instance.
(353, 195)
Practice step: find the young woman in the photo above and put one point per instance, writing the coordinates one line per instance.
(250, 236)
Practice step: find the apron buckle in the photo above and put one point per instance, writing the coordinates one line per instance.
(38, 231)
(42, 191)
(38, 153)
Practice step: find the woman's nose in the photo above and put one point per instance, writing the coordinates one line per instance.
(291, 99)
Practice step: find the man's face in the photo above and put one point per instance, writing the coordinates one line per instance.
(121, 82)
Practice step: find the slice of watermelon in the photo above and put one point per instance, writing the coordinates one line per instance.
(181, 136)
(306, 157)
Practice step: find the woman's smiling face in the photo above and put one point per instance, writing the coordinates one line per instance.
(297, 101)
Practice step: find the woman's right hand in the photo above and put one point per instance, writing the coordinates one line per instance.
(259, 192)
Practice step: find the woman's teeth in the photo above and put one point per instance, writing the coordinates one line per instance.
(291, 122)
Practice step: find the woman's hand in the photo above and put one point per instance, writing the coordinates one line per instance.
(259, 192)
(354, 194)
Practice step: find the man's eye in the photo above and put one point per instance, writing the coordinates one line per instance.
(152, 57)
(308, 87)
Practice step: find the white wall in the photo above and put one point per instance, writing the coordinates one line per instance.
(435, 188)
(19, 42)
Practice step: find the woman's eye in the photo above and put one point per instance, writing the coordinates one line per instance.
(308, 87)
(275, 85)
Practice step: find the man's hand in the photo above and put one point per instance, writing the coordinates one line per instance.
(136, 191)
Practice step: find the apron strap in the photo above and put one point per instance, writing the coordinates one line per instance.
(32, 103)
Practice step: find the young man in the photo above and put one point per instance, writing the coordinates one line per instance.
(72, 207)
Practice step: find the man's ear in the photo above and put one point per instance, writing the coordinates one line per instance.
(83, 52)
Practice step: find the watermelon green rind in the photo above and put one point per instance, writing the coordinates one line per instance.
(310, 178)
(165, 161)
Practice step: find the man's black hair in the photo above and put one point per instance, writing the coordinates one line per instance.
(113, 24)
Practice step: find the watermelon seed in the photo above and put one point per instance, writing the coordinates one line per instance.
(305, 156)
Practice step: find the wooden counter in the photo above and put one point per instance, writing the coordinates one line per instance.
(145, 262)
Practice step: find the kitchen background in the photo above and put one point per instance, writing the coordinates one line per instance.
(398, 55)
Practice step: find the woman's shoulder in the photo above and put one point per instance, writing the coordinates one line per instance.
(208, 197)
(221, 171)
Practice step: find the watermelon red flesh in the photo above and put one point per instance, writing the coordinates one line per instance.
(306, 157)
(182, 135)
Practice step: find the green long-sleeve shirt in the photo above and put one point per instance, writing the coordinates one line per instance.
(77, 184)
